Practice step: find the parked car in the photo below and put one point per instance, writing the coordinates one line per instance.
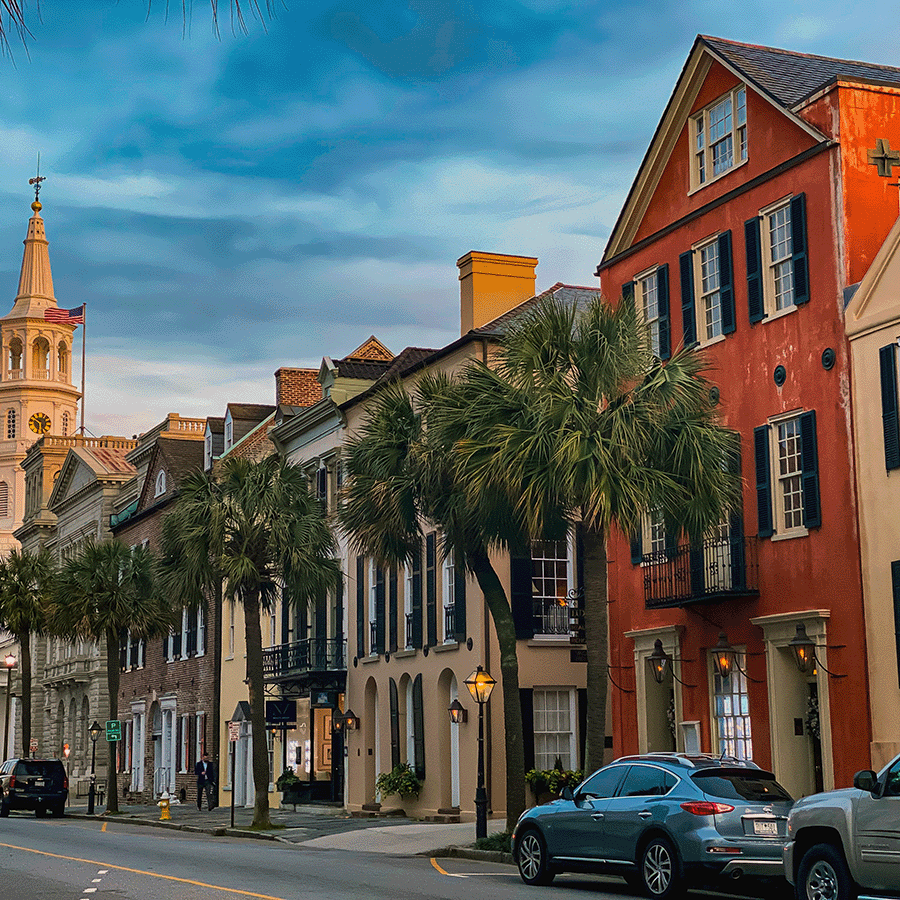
(846, 842)
(38, 784)
(662, 821)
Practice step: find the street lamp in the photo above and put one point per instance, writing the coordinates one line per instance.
(94, 731)
(10, 662)
(480, 685)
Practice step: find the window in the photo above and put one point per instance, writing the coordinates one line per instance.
(449, 594)
(732, 711)
(408, 605)
(551, 581)
(373, 606)
(647, 781)
(65, 424)
(554, 735)
(719, 137)
(190, 639)
(229, 431)
(707, 297)
(10, 424)
(4, 499)
(62, 358)
(15, 357)
(603, 784)
(184, 742)
(787, 476)
(890, 409)
(199, 735)
(207, 449)
(654, 534)
(138, 718)
(160, 484)
(131, 651)
(650, 291)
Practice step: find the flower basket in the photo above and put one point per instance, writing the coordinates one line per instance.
(401, 780)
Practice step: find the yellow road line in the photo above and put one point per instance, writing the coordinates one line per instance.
(94, 862)
(104, 826)
(434, 862)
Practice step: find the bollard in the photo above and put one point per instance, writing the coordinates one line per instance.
(164, 807)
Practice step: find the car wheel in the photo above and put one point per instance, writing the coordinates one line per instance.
(823, 875)
(660, 876)
(40, 812)
(4, 809)
(534, 867)
(59, 810)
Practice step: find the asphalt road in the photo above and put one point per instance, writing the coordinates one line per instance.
(46, 859)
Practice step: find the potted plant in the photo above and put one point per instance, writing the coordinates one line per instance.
(547, 784)
(290, 786)
(401, 780)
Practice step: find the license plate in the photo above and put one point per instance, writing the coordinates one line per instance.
(767, 828)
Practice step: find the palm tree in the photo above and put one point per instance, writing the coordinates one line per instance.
(253, 530)
(100, 594)
(401, 474)
(25, 583)
(577, 413)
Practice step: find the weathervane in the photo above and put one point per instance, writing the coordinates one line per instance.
(36, 181)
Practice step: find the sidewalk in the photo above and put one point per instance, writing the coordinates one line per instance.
(322, 827)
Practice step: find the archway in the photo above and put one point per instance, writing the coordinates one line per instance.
(62, 360)
(40, 358)
(372, 765)
(448, 741)
(14, 360)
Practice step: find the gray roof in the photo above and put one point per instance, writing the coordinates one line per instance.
(790, 77)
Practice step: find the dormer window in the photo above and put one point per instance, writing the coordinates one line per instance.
(718, 137)
(229, 432)
(160, 484)
(207, 449)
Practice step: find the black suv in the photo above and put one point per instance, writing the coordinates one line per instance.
(38, 784)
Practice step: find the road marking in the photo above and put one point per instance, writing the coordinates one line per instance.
(93, 862)
(104, 826)
(434, 862)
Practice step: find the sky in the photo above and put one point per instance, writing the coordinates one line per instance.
(226, 206)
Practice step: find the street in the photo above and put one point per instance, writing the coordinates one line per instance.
(83, 860)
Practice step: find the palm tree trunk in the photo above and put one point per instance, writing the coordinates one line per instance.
(253, 639)
(112, 683)
(25, 676)
(596, 630)
(501, 613)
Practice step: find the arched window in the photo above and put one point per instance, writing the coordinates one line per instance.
(15, 358)
(40, 358)
(65, 423)
(160, 484)
(62, 358)
(4, 499)
(10, 424)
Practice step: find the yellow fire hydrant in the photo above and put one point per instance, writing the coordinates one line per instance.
(163, 804)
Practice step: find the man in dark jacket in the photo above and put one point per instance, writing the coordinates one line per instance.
(205, 771)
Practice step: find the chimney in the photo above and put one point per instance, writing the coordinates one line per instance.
(297, 387)
(491, 284)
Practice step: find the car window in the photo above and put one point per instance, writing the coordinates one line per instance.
(739, 784)
(892, 781)
(603, 783)
(647, 781)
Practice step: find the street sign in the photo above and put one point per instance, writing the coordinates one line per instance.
(113, 730)
(34, 746)
(281, 712)
(234, 732)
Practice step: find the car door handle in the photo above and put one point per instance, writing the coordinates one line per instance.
(645, 814)
(597, 817)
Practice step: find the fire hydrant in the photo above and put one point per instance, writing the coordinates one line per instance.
(163, 804)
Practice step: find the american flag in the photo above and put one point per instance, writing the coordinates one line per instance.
(71, 316)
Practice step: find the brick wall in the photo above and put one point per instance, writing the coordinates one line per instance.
(297, 387)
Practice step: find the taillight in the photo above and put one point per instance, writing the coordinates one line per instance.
(12, 781)
(65, 784)
(705, 807)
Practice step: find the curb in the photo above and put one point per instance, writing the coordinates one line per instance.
(494, 856)
(175, 826)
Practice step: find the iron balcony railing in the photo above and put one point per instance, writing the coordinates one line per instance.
(310, 655)
(715, 569)
(409, 630)
(449, 621)
(373, 636)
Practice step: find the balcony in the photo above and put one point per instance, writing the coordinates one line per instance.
(311, 664)
(717, 569)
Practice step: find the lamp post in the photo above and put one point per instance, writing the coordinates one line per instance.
(94, 731)
(10, 663)
(480, 685)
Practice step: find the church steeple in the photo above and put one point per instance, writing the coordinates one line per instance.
(35, 280)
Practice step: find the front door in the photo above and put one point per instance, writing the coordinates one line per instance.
(878, 827)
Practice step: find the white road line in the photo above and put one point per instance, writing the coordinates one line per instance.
(90, 890)
(103, 871)
(96, 880)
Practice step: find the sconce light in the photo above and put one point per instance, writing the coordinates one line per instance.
(804, 649)
(458, 713)
(346, 722)
(660, 663)
(723, 656)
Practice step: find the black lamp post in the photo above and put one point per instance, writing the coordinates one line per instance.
(94, 731)
(10, 662)
(480, 685)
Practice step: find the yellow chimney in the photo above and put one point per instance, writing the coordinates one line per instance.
(491, 284)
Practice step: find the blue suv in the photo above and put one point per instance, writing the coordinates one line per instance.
(662, 821)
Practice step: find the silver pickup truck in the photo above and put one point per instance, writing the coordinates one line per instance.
(845, 844)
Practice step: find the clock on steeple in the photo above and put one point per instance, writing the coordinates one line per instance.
(39, 423)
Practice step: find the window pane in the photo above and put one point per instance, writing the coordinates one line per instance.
(552, 729)
(732, 705)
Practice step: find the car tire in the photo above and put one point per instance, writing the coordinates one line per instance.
(4, 809)
(660, 872)
(823, 875)
(532, 858)
(59, 810)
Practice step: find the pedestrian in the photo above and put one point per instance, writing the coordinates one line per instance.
(205, 771)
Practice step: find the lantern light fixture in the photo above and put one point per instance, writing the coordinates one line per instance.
(458, 713)
(480, 685)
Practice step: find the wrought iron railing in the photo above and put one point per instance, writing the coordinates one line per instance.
(373, 636)
(409, 630)
(450, 622)
(310, 655)
(719, 568)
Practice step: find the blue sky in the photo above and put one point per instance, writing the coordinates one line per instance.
(229, 206)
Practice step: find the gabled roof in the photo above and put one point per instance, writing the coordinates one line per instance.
(177, 458)
(368, 370)
(371, 349)
(559, 290)
(249, 412)
(878, 284)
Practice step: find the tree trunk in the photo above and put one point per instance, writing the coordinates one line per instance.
(253, 639)
(113, 663)
(596, 631)
(25, 678)
(501, 613)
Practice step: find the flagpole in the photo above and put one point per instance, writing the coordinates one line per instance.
(83, 341)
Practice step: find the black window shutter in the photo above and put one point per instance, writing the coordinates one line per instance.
(763, 482)
(123, 649)
(637, 550)
(379, 610)
(628, 291)
(417, 599)
(726, 283)
(662, 299)
(889, 411)
(799, 258)
(392, 609)
(360, 606)
(755, 304)
(520, 595)
(395, 724)
(736, 526)
(895, 587)
(526, 697)
(431, 588)
(321, 617)
(688, 315)
(809, 461)
(419, 727)
(459, 602)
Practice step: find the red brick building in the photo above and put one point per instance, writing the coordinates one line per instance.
(754, 210)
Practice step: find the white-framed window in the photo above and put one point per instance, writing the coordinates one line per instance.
(207, 448)
(777, 257)
(718, 135)
(200, 735)
(138, 724)
(373, 603)
(647, 300)
(554, 728)
(448, 624)
(709, 295)
(189, 640)
(654, 534)
(229, 431)
(407, 605)
(788, 475)
(160, 483)
(231, 604)
(552, 578)
(184, 742)
(731, 710)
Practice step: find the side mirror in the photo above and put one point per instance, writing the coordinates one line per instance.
(866, 780)
(567, 793)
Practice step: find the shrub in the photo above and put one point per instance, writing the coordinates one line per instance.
(501, 841)
(552, 780)
(401, 780)
(286, 780)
